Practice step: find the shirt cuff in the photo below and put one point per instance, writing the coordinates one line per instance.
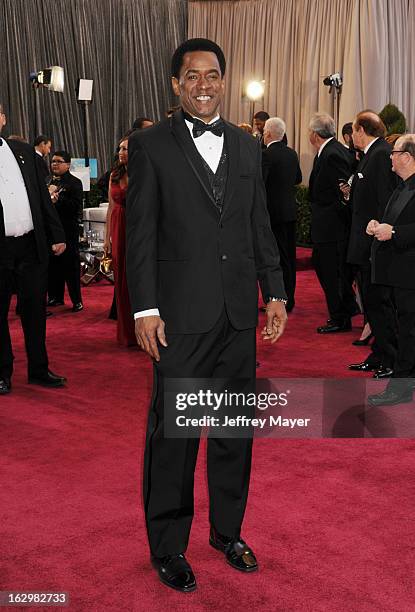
(152, 312)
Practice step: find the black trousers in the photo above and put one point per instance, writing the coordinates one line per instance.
(285, 235)
(169, 463)
(20, 269)
(378, 302)
(404, 300)
(336, 278)
(65, 268)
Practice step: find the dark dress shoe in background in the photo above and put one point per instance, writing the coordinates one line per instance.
(364, 366)
(391, 396)
(48, 313)
(175, 572)
(237, 553)
(5, 385)
(335, 327)
(49, 379)
(52, 302)
(77, 307)
(382, 372)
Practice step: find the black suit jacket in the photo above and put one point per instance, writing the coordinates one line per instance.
(69, 205)
(393, 261)
(330, 217)
(47, 227)
(45, 168)
(372, 186)
(281, 172)
(182, 255)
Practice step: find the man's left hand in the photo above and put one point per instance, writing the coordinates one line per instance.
(383, 232)
(276, 321)
(59, 248)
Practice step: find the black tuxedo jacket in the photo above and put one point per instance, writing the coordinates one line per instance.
(330, 217)
(45, 168)
(281, 172)
(69, 205)
(183, 256)
(372, 186)
(393, 261)
(47, 227)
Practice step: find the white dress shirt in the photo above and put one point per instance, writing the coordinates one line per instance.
(13, 195)
(210, 148)
(323, 145)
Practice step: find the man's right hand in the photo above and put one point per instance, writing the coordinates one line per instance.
(371, 227)
(148, 330)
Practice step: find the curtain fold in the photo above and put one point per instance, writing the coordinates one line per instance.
(125, 46)
(294, 44)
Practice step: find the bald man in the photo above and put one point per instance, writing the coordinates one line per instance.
(372, 186)
(393, 254)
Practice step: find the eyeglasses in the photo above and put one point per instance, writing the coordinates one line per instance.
(58, 161)
(397, 151)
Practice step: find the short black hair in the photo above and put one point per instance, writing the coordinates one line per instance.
(138, 123)
(347, 128)
(261, 115)
(41, 138)
(64, 154)
(196, 44)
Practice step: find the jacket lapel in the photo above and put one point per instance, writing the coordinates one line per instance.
(24, 163)
(394, 208)
(185, 142)
(232, 145)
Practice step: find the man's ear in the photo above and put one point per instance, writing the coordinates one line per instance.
(175, 85)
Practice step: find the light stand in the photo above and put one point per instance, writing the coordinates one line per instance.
(335, 83)
(84, 99)
(51, 78)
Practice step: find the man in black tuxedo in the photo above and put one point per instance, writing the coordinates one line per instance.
(281, 172)
(66, 192)
(330, 223)
(392, 256)
(372, 186)
(43, 145)
(29, 229)
(198, 238)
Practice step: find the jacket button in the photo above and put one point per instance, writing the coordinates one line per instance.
(224, 257)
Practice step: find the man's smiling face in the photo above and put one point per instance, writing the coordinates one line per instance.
(200, 84)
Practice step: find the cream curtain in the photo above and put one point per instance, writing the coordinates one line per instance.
(293, 44)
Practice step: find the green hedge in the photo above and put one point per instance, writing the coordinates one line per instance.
(303, 216)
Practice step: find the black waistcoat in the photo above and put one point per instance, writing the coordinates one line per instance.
(219, 178)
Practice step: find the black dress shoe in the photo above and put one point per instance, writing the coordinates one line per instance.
(391, 397)
(237, 553)
(175, 572)
(334, 327)
(363, 342)
(364, 366)
(382, 372)
(5, 385)
(49, 313)
(77, 307)
(52, 302)
(48, 380)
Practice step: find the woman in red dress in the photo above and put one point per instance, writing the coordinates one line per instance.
(115, 244)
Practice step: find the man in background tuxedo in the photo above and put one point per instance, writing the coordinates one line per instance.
(198, 238)
(392, 256)
(66, 190)
(330, 223)
(281, 172)
(43, 145)
(372, 186)
(29, 229)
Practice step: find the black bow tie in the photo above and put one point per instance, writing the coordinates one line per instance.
(200, 127)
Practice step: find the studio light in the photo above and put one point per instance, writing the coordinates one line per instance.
(255, 90)
(333, 80)
(52, 78)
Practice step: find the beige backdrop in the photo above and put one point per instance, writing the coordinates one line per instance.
(293, 44)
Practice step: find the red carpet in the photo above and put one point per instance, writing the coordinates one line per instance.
(331, 520)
